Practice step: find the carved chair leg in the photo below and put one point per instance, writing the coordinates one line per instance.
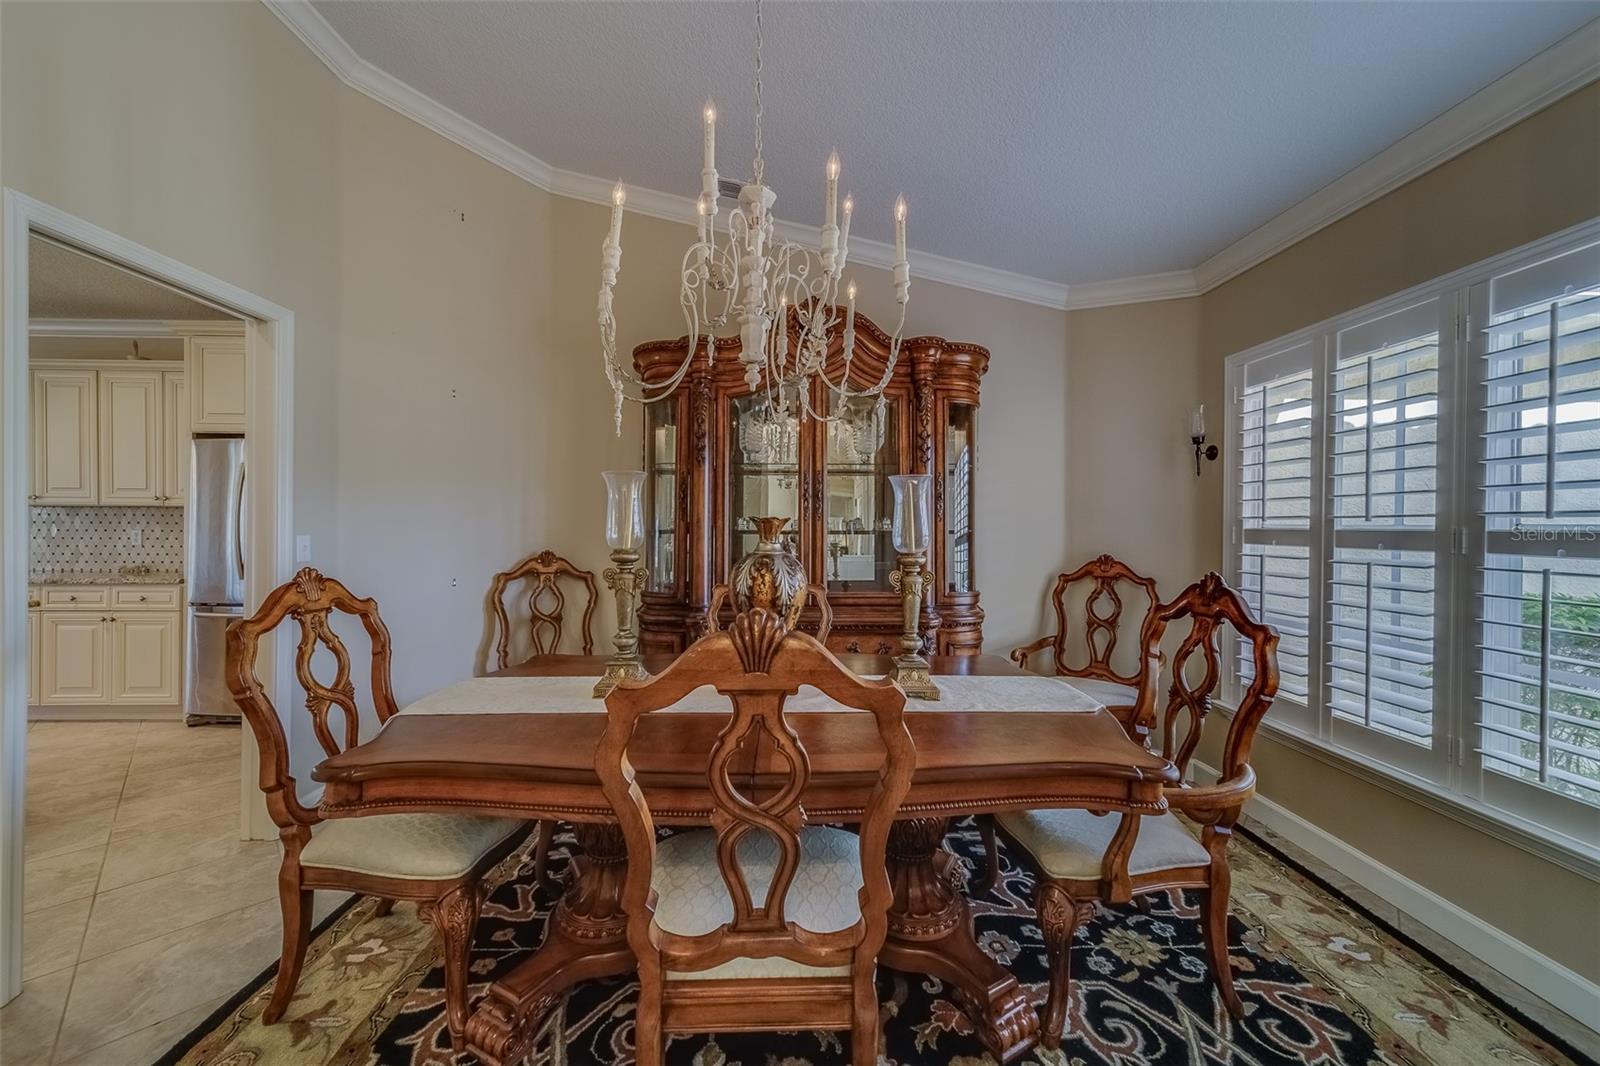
(541, 850)
(991, 853)
(295, 902)
(1214, 901)
(384, 908)
(864, 1022)
(456, 914)
(1059, 915)
(649, 1047)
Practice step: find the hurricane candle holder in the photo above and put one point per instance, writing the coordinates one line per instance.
(910, 535)
(625, 577)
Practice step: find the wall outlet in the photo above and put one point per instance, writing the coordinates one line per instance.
(302, 547)
(136, 537)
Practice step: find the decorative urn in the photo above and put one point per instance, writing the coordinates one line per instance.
(770, 576)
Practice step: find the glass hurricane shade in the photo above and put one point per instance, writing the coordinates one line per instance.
(911, 511)
(624, 509)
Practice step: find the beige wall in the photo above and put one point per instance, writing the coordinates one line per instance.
(1536, 178)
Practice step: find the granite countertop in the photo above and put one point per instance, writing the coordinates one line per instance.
(153, 577)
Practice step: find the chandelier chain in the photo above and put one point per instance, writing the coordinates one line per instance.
(759, 161)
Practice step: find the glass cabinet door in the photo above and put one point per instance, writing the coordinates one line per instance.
(661, 495)
(958, 457)
(763, 473)
(862, 450)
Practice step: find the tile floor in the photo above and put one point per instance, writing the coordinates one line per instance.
(143, 909)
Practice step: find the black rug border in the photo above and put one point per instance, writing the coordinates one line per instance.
(1455, 972)
(187, 1042)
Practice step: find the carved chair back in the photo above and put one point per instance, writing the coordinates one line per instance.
(757, 664)
(1212, 607)
(1108, 579)
(310, 600)
(547, 604)
(816, 596)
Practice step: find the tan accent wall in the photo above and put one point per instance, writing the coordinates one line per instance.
(1536, 178)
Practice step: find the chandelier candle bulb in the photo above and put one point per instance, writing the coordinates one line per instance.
(710, 161)
(619, 196)
(900, 229)
(832, 200)
(844, 234)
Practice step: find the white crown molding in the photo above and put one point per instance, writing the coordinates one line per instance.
(1558, 71)
(1172, 285)
(130, 327)
(1564, 67)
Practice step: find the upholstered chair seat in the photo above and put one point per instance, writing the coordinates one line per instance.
(1072, 843)
(1108, 693)
(691, 898)
(421, 847)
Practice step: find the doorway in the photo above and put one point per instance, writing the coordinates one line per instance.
(107, 511)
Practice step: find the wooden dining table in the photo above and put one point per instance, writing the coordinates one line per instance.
(541, 765)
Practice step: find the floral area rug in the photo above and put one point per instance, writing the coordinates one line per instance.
(1322, 982)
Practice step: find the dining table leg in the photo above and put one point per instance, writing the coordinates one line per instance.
(587, 938)
(930, 931)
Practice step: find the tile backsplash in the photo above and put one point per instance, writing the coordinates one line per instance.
(63, 541)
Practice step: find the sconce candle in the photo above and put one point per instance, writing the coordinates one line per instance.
(912, 579)
(624, 508)
(911, 511)
(1197, 422)
(625, 577)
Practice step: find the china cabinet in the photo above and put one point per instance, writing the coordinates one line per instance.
(716, 461)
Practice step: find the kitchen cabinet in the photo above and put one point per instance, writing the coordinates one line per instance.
(216, 370)
(117, 645)
(72, 666)
(111, 434)
(131, 437)
(174, 437)
(65, 426)
(144, 657)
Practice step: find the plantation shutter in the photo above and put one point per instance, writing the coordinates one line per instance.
(1538, 510)
(1275, 485)
(1383, 464)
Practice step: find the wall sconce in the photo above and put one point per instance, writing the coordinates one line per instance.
(1197, 437)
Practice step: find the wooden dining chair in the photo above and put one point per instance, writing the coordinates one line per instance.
(1069, 845)
(547, 605)
(1108, 578)
(816, 595)
(761, 922)
(437, 860)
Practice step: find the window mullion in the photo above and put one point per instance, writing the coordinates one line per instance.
(1320, 561)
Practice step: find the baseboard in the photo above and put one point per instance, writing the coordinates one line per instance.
(100, 713)
(1556, 984)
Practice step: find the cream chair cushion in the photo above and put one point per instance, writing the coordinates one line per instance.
(1071, 843)
(421, 847)
(692, 898)
(1108, 693)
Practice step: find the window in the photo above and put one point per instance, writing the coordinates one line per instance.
(1415, 504)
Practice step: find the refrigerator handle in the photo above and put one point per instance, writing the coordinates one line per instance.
(238, 523)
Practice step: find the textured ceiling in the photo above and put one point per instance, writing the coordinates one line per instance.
(63, 283)
(1073, 142)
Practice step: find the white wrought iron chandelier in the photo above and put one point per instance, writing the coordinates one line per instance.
(748, 275)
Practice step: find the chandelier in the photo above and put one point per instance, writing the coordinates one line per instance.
(745, 274)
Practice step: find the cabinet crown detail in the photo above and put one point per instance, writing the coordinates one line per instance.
(717, 460)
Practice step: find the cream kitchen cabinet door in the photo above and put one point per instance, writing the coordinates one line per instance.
(65, 426)
(174, 438)
(215, 366)
(144, 657)
(130, 436)
(72, 663)
(34, 657)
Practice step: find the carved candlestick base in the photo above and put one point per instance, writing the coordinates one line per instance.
(911, 670)
(626, 577)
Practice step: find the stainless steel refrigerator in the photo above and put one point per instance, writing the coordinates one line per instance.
(214, 573)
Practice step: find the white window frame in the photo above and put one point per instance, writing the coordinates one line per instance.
(1450, 769)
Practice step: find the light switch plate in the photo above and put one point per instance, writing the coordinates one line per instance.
(302, 547)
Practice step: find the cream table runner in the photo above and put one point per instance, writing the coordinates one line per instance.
(555, 695)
